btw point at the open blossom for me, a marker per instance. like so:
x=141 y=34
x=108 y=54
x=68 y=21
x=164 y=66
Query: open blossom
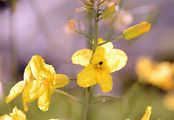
x=157 y=74
x=40 y=80
x=15 y=115
x=105 y=60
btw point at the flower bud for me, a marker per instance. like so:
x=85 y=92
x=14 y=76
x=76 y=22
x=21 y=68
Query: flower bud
x=109 y=11
x=72 y=24
x=136 y=30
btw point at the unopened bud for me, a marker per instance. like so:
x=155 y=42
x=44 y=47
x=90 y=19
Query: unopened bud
x=109 y=11
x=136 y=30
x=72 y=24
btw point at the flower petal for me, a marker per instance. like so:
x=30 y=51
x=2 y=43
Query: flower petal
x=82 y=57
x=117 y=59
x=17 y=114
x=28 y=76
x=44 y=100
x=108 y=46
x=60 y=81
x=36 y=64
x=33 y=90
x=15 y=91
x=48 y=71
x=86 y=77
x=147 y=113
x=99 y=55
x=6 y=117
x=105 y=81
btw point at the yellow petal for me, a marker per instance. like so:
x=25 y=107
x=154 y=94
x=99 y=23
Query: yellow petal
x=168 y=101
x=44 y=100
x=108 y=46
x=136 y=30
x=17 y=114
x=147 y=113
x=99 y=55
x=60 y=81
x=144 y=68
x=36 y=64
x=40 y=69
x=82 y=57
x=28 y=76
x=15 y=91
x=162 y=76
x=6 y=117
x=116 y=60
x=86 y=77
x=48 y=71
x=33 y=90
x=105 y=81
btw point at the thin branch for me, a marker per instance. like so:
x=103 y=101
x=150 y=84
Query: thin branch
x=72 y=78
x=108 y=97
x=117 y=38
x=86 y=35
x=67 y=95
x=101 y=2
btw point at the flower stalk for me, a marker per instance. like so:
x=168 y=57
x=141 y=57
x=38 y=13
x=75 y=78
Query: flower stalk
x=86 y=103
x=67 y=95
x=88 y=91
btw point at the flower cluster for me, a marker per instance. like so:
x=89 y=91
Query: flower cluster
x=40 y=80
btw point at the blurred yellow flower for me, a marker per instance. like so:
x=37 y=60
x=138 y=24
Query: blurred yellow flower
x=168 y=101
x=157 y=74
x=105 y=61
x=136 y=30
x=147 y=113
x=15 y=115
x=40 y=80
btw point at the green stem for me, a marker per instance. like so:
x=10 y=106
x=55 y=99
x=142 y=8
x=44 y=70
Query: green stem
x=117 y=38
x=86 y=103
x=88 y=91
x=67 y=95
x=96 y=21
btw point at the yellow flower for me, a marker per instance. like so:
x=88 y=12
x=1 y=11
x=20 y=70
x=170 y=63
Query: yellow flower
x=136 y=30
x=168 y=101
x=147 y=113
x=157 y=74
x=105 y=61
x=15 y=115
x=40 y=80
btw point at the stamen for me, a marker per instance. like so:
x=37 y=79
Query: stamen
x=100 y=63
